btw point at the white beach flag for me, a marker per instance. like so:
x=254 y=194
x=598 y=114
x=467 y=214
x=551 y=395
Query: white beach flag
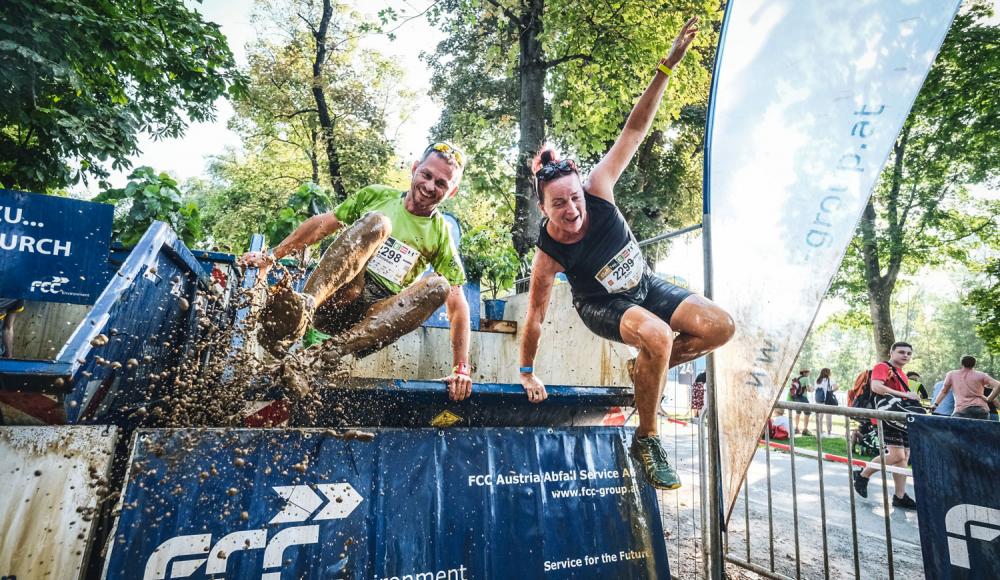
x=808 y=100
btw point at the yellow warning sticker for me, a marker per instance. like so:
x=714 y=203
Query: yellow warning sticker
x=445 y=419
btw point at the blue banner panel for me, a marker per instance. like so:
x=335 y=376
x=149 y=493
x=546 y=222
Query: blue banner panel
x=53 y=249
x=955 y=474
x=419 y=504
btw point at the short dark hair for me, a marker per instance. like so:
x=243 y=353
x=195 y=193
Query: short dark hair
x=912 y=374
x=896 y=345
x=968 y=361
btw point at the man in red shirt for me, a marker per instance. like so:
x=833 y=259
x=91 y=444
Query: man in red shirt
x=890 y=386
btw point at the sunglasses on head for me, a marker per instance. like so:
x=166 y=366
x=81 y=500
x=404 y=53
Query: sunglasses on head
x=556 y=169
x=448 y=151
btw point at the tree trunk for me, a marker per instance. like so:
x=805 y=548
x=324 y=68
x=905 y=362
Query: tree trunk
x=314 y=156
x=531 y=69
x=880 y=303
x=879 y=290
x=880 y=286
x=325 y=121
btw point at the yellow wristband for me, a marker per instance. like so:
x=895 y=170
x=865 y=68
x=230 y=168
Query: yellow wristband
x=664 y=69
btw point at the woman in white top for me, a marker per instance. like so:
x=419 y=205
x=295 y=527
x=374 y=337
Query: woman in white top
x=826 y=391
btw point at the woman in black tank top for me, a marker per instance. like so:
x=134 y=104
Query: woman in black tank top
x=585 y=235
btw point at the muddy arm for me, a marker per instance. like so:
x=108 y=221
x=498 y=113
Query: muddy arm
x=311 y=231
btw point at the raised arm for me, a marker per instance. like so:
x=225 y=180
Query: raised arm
x=543 y=274
x=605 y=174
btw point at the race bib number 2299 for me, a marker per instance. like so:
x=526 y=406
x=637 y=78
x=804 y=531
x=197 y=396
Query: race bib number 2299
x=624 y=271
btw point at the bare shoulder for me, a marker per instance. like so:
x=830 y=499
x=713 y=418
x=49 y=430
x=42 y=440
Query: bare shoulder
x=598 y=187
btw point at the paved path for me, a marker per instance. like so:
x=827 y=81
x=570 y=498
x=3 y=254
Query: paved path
x=681 y=518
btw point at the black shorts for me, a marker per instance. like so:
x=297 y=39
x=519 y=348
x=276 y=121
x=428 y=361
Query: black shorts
x=895 y=436
x=603 y=316
x=801 y=399
x=333 y=320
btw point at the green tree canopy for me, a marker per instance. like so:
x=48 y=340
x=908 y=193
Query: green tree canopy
x=985 y=302
x=921 y=213
x=514 y=74
x=81 y=80
x=148 y=197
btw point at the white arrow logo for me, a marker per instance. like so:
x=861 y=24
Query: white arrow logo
x=301 y=501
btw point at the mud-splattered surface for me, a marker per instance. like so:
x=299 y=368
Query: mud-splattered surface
x=52 y=480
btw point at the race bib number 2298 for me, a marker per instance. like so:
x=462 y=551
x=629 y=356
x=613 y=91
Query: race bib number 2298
x=393 y=260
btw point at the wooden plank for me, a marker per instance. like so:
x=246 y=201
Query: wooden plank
x=500 y=326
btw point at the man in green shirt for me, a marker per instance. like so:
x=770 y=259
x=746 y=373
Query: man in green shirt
x=367 y=291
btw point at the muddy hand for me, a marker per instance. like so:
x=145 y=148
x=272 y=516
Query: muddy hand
x=257 y=260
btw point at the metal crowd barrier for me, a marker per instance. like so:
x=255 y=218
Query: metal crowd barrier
x=864 y=559
x=792 y=519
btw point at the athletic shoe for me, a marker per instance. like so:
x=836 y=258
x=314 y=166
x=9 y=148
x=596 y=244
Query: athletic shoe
x=284 y=320
x=649 y=452
x=860 y=483
x=806 y=433
x=906 y=502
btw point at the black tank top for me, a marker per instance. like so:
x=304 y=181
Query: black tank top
x=608 y=252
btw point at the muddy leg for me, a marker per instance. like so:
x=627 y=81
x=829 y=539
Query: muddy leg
x=654 y=338
x=347 y=256
x=288 y=313
x=703 y=327
x=389 y=319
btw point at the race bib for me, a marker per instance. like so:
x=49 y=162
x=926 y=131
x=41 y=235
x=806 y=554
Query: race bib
x=624 y=271
x=393 y=260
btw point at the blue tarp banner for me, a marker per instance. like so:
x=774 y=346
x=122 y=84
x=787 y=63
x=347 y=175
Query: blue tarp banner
x=418 y=504
x=956 y=470
x=53 y=249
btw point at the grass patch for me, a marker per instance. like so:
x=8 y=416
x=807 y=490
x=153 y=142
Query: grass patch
x=835 y=445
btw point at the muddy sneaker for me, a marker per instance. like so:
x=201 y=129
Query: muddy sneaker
x=649 y=452
x=284 y=319
x=906 y=502
x=860 y=483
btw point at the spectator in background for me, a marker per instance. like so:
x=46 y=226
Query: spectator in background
x=797 y=394
x=993 y=405
x=969 y=386
x=826 y=394
x=947 y=405
x=9 y=308
x=915 y=385
x=891 y=390
x=779 y=425
x=697 y=397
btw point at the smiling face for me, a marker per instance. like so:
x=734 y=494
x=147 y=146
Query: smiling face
x=433 y=180
x=564 y=205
